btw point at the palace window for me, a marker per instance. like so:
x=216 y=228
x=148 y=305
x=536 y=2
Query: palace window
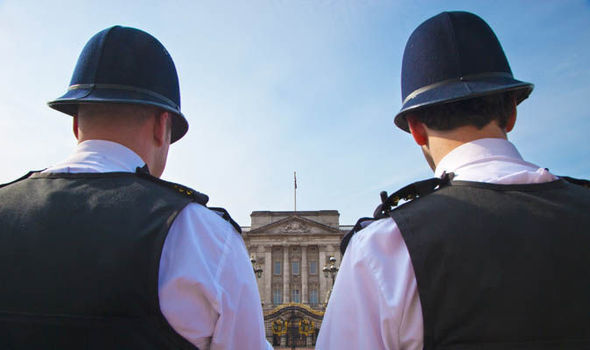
x=277 y=268
x=295 y=267
x=277 y=296
x=313 y=267
x=313 y=297
x=296 y=297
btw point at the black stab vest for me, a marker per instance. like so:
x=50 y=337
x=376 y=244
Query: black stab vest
x=79 y=261
x=501 y=266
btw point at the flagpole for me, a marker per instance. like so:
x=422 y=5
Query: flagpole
x=295 y=190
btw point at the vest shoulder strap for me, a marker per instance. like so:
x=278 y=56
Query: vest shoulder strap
x=580 y=182
x=185 y=191
x=194 y=195
x=225 y=215
x=389 y=203
x=26 y=176
x=360 y=224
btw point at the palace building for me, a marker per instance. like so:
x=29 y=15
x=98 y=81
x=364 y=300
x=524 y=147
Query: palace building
x=295 y=255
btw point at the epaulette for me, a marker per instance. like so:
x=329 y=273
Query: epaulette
x=194 y=195
x=580 y=182
x=410 y=192
x=389 y=203
x=26 y=176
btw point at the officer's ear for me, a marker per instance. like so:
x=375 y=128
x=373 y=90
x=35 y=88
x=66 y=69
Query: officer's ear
x=75 y=125
x=162 y=128
x=417 y=130
x=512 y=118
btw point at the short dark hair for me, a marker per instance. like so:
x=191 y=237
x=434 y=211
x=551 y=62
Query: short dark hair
x=477 y=111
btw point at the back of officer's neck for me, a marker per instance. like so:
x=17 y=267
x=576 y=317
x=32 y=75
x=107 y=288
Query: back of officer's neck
x=441 y=143
x=138 y=137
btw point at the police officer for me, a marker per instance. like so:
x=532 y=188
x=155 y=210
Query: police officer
x=99 y=253
x=492 y=252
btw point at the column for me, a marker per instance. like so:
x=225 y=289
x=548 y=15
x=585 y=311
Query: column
x=321 y=264
x=259 y=281
x=268 y=264
x=286 y=276
x=304 y=271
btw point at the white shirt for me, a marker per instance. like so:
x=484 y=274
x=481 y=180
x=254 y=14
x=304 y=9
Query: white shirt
x=206 y=285
x=375 y=302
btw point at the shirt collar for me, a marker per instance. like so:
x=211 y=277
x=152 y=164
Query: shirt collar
x=475 y=151
x=106 y=155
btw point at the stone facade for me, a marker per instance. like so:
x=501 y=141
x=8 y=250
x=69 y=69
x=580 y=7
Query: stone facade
x=291 y=248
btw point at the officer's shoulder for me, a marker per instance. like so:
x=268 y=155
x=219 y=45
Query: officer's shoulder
x=26 y=176
x=217 y=213
x=200 y=199
x=580 y=182
x=180 y=190
x=390 y=203
x=211 y=217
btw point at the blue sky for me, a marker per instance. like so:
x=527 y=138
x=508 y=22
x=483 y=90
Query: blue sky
x=270 y=87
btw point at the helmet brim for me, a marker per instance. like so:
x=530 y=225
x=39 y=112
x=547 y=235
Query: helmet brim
x=69 y=102
x=461 y=90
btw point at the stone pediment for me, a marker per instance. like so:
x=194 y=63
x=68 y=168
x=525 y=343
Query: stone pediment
x=295 y=225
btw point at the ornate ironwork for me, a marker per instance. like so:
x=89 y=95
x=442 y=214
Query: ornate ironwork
x=294 y=325
x=317 y=314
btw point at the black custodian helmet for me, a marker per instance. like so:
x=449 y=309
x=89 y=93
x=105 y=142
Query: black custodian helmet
x=125 y=65
x=450 y=57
